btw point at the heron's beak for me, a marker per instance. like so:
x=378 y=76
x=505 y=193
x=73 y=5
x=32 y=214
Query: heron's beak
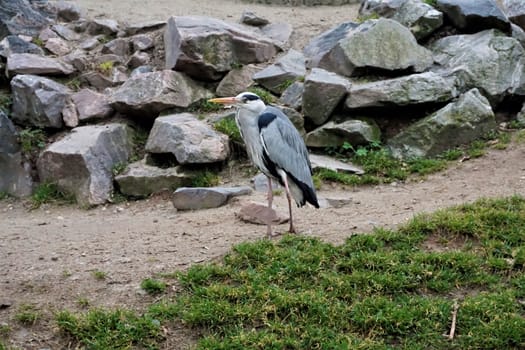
x=224 y=100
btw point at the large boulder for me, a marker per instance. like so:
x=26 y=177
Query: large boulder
x=207 y=48
x=237 y=80
x=38 y=101
x=487 y=60
x=323 y=92
x=515 y=11
x=190 y=140
x=458 y=123
x=28 y=63
x=419 y=88
x=277 y=77
x=150 y=93
x=382 y=44
x=19 y=17
x=81 y=163
x=474 y=15
x=353 y=131
x=140 y=179
x=15 y=178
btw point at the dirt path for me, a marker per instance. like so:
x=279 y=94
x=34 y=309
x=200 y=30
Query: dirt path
x=48 y=256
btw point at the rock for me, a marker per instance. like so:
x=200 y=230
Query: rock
x=145 y=26
x=192 y=198
x=57 y=46
x=67 y=11
x=38 y=101
x=190 y=140
x=141 y=70
x=116 y=76
x=16 y=178
x=45 y=35
x=119 y=47
x=260 y=214
x=419 y=88
x=518 y=34
x=65 y=32
x=141 y=180
x=421 y=18
x=81 y=163
x=207 y=48
x=515 y=11
x=325 y=162
x=141 y=42
x=13 y=44
x=285 y=71
x=78 y=59
x=138 y=59
x=150 y=93
x=458 y=123
x=474 y=15
x=382 y=44
x=260 y=183
x=278 y=33
x=28 y=63
x=323 y=92
x=293 y=96
x=493 y=63
x=354 y=132
x=19 y=17
x=319 y=48
x=251 y=19
x=70 y=114
x=237 y=80
x=334 y=202
x=382 y=8
x=103 y=26
x=90 y=43
x=91 y=105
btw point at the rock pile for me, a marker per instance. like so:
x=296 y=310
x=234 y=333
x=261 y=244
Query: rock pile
x=95 y=85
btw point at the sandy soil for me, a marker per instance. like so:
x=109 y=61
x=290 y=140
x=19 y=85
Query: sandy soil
x=48 y=255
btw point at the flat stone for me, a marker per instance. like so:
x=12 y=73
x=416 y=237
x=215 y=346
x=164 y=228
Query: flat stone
x=320 y=161
x=192 y=198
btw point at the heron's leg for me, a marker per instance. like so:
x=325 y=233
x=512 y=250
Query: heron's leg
x=289 y=197
x=270 y=192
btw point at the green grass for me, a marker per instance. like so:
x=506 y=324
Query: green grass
x=32 y=140
x=391 y=289
x=5 y=102
x=153 y=286
x=99 y=275
x=47 y=192
x=28 y=314
x=205 y=179
x=228 y=126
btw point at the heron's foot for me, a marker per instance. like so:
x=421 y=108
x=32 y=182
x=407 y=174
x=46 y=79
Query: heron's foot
x=292 y=230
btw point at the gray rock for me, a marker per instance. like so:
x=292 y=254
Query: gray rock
x=81 y=163
x=325 y=162
x=459 y=122
x=46 y=34
x=518 y=34
x=383 y=8
x=323 y=91
x=260 y=183
x=285 y=71
x=90 y=43
x=237 y=80
x=70 y=114
x=78 y=59
x=354 y=131
x=251 y=19
x=293 y=96
x=190 y=140
x=421 y=18
x=141 y=70
x=151 y=93
x=57 y=46
x=207 y=48
x=380 y=44
x=486 y=60
x=145 y=26
x=141 y=42
x=192 y=198
x=278 y=33
x=260 y=214
x=334 y=202
x=65 y=32
x=16 y=178
x=91 y=105
x=116 y=76
x=103 y=26
x=28 y=63
x=141 y=180
x=13 y=44
x=412 y=89
x=19 y=17
x=474 y=15
x=67 y=11
x=118 y=46
x=38 y=101
x=138 y=59
x=515 y=11
x=319 y=48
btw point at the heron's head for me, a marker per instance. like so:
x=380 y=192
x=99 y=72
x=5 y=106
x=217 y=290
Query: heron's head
x=244 y=100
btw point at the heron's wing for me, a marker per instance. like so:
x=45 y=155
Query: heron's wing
x=285 y=148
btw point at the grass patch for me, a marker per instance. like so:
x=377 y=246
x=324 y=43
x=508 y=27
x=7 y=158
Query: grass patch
x=153 y=286
x=204 y=106
x=391 y=289
x=99 y=275
x=47 y=192
x=205 y=179
x=32 y=140
x=5 y=102
x=105 y=67
x=228 y=126
x=28 y=314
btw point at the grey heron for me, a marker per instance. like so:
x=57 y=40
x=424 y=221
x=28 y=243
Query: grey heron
x=275 y=147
